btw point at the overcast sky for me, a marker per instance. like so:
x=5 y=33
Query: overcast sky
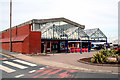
x=101 y=14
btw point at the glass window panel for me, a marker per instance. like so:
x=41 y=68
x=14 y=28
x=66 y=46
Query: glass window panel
x=56 y=23
x=36 y=27
x=63 y=23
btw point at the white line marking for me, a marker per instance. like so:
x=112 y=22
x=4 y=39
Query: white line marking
x=32 y=71
x=42 y=68
x=19 y=75
x=14 y=64
x=6 y=69
x=24 y=62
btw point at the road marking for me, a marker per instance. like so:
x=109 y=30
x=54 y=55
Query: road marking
x=5 y=55
x=39 y=71
x=14 y=64
x=32 y=71
x=18 y=76
x=45 y=72
x=24 y=62
x=55 y=72
x=42 y=68
x=5 y=58
x=6 y=69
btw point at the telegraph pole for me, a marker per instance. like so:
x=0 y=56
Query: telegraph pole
x=10 y=24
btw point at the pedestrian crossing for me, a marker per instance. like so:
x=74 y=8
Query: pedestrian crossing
x=6 y=69
x=24 y=62
x=15 y=64
x=17 y=68
x=18 y=76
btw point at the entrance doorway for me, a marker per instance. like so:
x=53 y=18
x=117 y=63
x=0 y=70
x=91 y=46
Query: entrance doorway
x=42 y=47
x=54 y=47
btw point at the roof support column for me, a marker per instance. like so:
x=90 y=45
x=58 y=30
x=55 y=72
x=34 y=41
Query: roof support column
x=50 y=46
x=45 y=46
x=88 y=44
x=106 y=44
x=53 y=30
x=67 y=43
x=81 y=46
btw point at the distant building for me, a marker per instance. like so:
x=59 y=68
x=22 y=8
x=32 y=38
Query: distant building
x=115 y=41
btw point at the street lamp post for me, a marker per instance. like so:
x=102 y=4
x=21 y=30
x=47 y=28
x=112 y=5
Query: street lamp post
x=10 y=24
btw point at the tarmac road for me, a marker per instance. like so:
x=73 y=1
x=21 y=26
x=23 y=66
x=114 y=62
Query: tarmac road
x=17 y=68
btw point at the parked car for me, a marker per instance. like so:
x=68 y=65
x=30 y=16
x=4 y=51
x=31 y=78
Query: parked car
x=118 y=48
x=115 y=47
x=96 y=47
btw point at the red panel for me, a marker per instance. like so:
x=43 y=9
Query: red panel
x=83 y=49
x=72 y=49
x=35 y=42
x=86 y=49
x=79 y=49
x=76 y=49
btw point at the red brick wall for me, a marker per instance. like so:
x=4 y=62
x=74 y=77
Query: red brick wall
x=17 y=47
x=26 y=45
x=20 y=31
x=35 y=42
x=16 y=32
x=31 y=44
x=5 y=46
x=24 y=30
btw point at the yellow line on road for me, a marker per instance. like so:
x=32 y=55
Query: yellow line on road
x=4 y=55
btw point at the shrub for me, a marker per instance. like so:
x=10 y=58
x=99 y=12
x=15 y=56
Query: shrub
x=102 y=55
x=118 y=52
x=98 y=58
x=92 y=60
x=105 y=52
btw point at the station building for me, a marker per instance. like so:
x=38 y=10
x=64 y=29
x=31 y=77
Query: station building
x=54 y=35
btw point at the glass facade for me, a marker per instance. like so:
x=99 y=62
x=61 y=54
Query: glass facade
x=64 y=30
x=95 y=34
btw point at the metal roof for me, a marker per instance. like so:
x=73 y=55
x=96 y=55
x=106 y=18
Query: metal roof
x=89 y=32
x=95 y=33
x=46 y=21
